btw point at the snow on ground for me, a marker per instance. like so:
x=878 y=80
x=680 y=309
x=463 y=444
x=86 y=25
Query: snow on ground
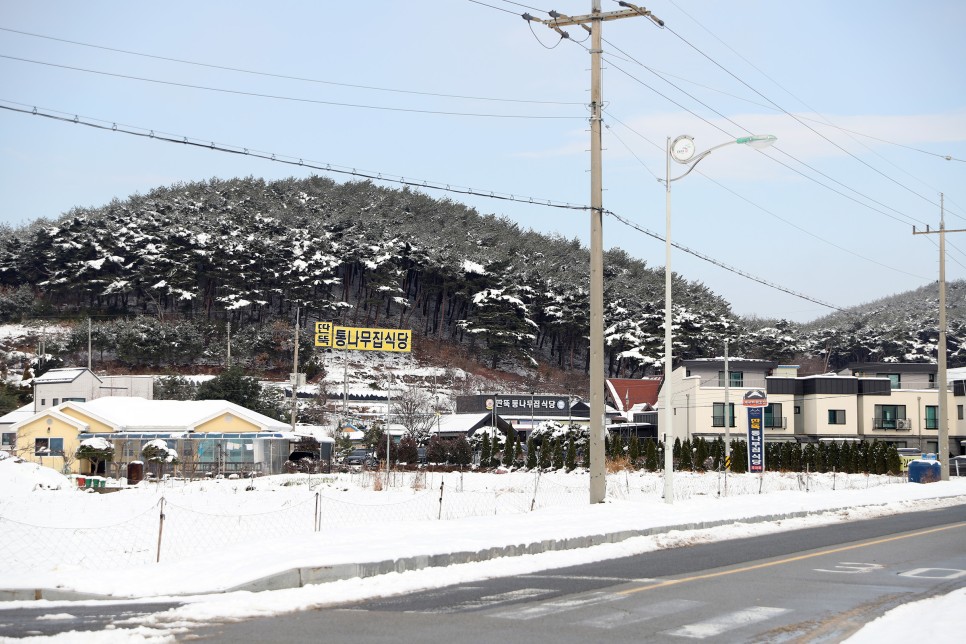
x=222 y=533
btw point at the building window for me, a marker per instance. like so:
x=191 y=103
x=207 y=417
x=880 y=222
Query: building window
x=932 y=381
x=718 y=417
x=959 y=412
x=894 y=378
x=836 y=416
x=773 y=416
x=737 y=379
x=890 y=417
x=798 y=410
x=932 y=416
x=73 y=400
x=43 y=401
x=8 y=440
x=48 y=447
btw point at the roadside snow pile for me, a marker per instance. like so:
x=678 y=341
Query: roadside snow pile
x=21 y=477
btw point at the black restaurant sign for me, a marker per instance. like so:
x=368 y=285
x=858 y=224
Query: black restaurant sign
x=514 y=405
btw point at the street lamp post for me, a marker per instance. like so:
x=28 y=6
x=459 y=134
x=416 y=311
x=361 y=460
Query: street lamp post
x=681 y=149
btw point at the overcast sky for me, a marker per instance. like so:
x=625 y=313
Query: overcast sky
x=827 y=212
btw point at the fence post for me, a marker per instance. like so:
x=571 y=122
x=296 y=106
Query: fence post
x=536 y=484
x=807 y=476
x=833 y=479
x=440 y=515
x=160 y=531
x=316 y=519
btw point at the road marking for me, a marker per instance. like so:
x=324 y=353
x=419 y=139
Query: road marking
x=779 y=562
x=557 y=606
x=490 y=600
x=728 y=622
x=852 y=568
x=614 y=618
x=640 y=580
x=953 y=573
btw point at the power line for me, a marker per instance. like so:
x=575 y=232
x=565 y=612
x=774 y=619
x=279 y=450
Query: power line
x=758 y=206
x=720 y=129
x=285 y=76
x=806 y=125
x=287 y=98
x=720 y=264
x=289 y=160
x=375 y=176
x=787 y=91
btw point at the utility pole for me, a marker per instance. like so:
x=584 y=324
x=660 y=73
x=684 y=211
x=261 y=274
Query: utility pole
x=727 y=419
x=598 y=481
x=89 y=361
x=943 y=446
x=228 y=337
x=295 y=373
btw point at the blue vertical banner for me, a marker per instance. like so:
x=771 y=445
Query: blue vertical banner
x=756 y=439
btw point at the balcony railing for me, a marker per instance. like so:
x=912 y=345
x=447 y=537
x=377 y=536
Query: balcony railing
x=900 y=424
x=719 y=421
x=776 y=422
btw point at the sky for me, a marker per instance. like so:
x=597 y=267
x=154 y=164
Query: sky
x=250 y=549
x=867 y=98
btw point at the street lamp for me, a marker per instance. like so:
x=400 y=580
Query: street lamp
x=681 y=149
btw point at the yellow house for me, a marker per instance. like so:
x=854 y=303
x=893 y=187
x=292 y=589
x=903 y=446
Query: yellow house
x=207 y=434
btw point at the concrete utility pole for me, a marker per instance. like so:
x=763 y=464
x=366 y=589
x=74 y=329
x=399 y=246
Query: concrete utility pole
x=89 y=361
x=557 y=20
x=943 y=447
x=295 y=373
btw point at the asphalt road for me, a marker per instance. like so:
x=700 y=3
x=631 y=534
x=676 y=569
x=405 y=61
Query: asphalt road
x=813 y=585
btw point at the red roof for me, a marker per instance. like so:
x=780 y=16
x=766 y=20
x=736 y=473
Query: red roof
x=627 y=392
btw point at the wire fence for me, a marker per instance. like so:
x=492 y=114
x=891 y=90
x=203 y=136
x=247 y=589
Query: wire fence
x=180 y=523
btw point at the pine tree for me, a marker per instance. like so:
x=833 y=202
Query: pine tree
x=634 y=451
x=485 y=452
x=676 y=453
x=531 y=454
x=460 y=452
x=617 y=447
x=893 y=461
x=700 y=454
x=685 y=461
x=509 y=450
x=571 y=460
x=650 y=455
x=558 y=455
x=546 y=453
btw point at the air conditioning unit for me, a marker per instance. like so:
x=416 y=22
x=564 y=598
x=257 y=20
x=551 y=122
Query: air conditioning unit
x=903 y=423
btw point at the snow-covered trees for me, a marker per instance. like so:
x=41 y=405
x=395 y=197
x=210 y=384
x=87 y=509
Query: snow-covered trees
x=97 y=450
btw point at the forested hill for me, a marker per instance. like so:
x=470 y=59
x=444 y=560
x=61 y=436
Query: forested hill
x=250 y=252
x=164 y=274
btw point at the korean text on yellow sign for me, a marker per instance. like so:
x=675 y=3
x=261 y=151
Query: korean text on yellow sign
x=362 y=339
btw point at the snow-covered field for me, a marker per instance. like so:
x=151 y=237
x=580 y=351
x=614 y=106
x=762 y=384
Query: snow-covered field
x=218 y=534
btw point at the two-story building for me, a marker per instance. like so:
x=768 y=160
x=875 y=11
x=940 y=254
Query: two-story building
x=894 y=403
x=72 y=384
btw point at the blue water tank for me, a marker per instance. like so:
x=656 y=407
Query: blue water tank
x=923 y=471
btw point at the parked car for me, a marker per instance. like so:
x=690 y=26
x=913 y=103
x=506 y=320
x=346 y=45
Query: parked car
x=360 y=458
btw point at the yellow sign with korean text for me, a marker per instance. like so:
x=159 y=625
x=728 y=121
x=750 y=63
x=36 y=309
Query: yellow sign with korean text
x=362 y=339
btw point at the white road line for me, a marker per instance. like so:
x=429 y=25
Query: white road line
x=558 y=606
x=727 y=622
x=640 y=613
x=490 y=600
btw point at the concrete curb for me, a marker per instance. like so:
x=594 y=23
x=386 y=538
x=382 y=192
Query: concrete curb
x=307 y=575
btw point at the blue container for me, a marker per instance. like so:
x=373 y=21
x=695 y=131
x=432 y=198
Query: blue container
x=922 y=471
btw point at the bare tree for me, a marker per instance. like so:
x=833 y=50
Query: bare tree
x=414 y=410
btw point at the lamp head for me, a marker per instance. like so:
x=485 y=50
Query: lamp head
x=758 y=141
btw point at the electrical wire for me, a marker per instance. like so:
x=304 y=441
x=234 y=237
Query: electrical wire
x=719 y=264
x=909 y=218
x=512 y=13
x=100 y=124
x=758 y=206
x=806 y=125
x=787 y=91
x=288 y=160
x=285 y=76
x=288 y=98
